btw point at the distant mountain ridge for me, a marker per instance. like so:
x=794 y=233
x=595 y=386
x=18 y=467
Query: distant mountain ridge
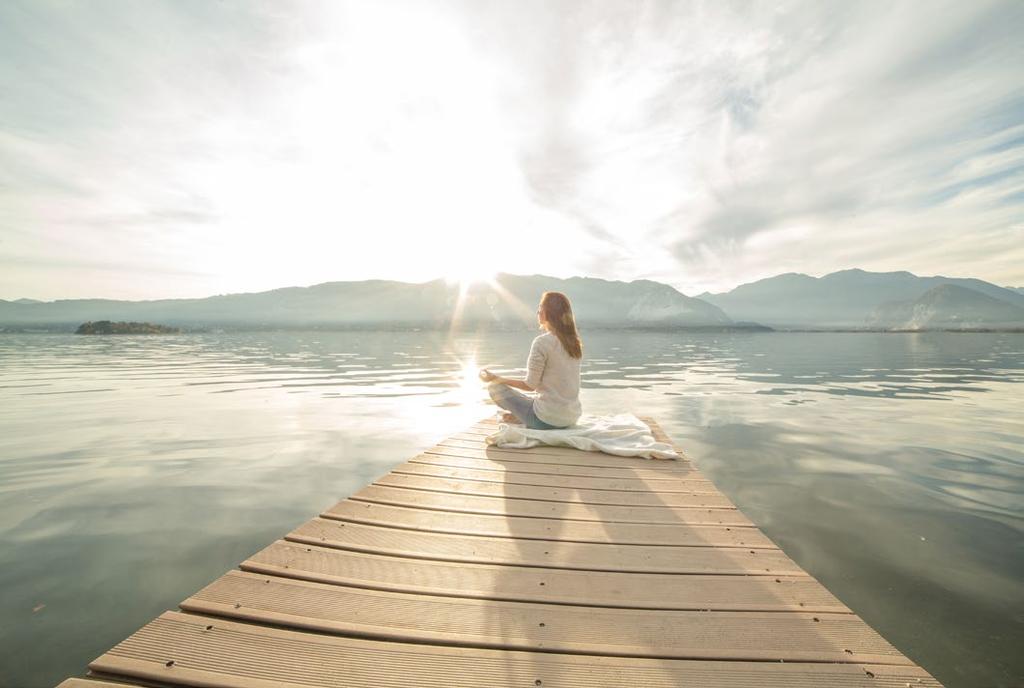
x=848 y=298
x=948 y=306
x=511 y=303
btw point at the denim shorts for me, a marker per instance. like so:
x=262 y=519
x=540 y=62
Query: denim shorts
x=518 y=404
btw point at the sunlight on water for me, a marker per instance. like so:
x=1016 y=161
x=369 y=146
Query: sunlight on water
x=469 y=381
x=135 y=470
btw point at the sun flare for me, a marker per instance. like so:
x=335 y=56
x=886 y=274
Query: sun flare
x=468 y=377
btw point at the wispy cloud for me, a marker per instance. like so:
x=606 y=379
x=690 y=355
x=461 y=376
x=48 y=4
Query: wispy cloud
x=753 y=138
x=235 y=146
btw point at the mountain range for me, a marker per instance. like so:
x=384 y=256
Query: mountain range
x=849 y=299
x=509 y=301
x=861 y=299
x=948 y=306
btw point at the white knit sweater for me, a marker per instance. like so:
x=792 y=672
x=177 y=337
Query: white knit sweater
x=555 y=375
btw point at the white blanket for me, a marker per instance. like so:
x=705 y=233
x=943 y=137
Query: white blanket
x=623 y=435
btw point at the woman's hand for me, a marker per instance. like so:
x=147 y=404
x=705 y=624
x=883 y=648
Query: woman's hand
x=487 y=376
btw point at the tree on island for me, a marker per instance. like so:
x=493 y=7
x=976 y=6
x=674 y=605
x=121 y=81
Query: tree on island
x=108 y=327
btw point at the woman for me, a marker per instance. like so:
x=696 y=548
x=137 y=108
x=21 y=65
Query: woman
x=552 y=370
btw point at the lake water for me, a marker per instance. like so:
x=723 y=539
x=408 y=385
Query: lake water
x=135 y=470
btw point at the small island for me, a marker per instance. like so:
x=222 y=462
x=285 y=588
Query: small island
x=108 y=327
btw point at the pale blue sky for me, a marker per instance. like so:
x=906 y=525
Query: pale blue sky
x=186 y=148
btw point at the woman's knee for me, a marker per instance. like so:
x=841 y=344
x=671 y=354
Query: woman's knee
x=495 y=389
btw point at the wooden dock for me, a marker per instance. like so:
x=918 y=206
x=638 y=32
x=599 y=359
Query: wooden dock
x=478 y=567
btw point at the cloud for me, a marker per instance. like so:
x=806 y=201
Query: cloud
x=246 y=146
x=746 y=137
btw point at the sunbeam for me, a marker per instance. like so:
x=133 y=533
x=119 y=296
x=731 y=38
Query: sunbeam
x=522 y=310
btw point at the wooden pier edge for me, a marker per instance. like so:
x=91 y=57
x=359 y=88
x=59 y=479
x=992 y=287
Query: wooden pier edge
x=474 y=566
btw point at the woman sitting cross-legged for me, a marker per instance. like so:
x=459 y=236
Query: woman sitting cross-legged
x=552 y=371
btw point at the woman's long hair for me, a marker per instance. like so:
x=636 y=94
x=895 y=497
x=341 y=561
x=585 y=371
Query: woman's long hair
x=557 y=311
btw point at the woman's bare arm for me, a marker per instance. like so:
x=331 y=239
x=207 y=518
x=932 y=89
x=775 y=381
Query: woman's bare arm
x=488 y=376
x=511 y=382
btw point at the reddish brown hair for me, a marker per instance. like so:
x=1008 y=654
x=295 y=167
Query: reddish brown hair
x=557 y=312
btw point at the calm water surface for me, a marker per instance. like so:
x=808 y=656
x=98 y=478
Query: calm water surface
x=135 y=470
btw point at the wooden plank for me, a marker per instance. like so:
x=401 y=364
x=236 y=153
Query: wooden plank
x=499 y=474
x=508 y=490
x=389 y=615
x=195 y=650
x=553 y=529
x=694 y=514
x=704 y=499
x=581 y=556
x=788 y=589
x=91 y=683
x=513 y=464
x=570 y=457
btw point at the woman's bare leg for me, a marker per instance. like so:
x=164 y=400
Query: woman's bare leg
x=509 y=400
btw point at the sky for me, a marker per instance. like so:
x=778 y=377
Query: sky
x=194 y=147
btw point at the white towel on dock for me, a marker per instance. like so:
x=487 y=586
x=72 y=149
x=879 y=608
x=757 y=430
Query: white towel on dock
x=622 y=435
